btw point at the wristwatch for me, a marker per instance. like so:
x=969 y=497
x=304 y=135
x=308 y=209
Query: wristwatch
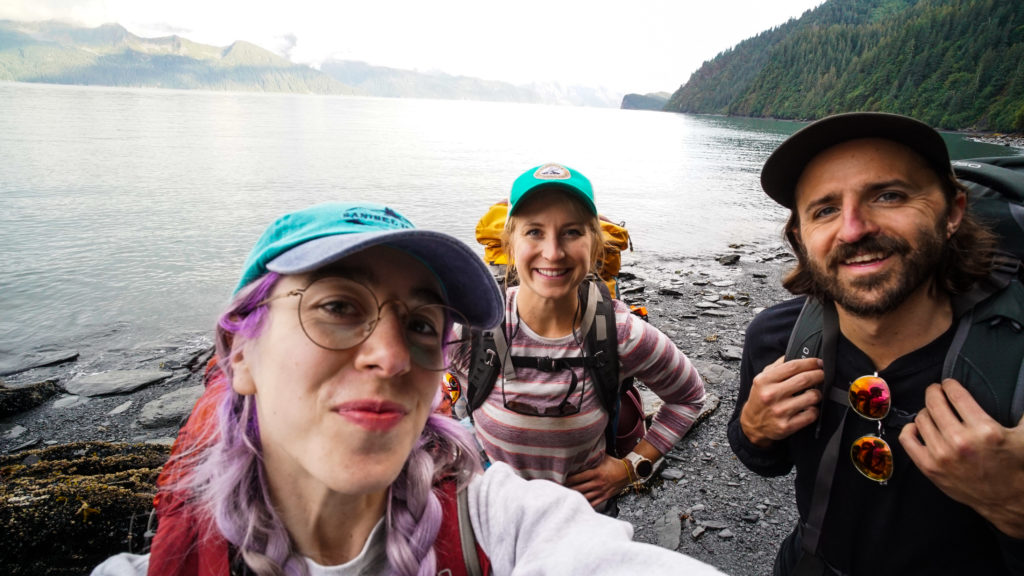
x=641 y=466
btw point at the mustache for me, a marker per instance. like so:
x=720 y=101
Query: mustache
x=866 y=245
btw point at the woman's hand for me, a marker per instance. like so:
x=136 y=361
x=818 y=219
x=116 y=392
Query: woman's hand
x=601 y=482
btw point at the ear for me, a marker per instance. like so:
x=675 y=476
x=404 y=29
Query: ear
x=957 y=207
x=241 y=380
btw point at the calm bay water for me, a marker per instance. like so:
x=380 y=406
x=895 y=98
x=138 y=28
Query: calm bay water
x=125 y=214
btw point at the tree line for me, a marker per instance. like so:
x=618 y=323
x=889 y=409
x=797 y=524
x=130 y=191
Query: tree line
x=955 y=64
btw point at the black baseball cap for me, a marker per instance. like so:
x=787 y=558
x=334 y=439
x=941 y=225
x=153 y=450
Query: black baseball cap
x=785 y=165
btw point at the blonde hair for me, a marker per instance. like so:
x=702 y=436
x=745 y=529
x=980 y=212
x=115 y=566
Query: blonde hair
x=590 y=222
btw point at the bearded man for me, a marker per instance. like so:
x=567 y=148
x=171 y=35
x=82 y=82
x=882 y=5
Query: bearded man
x=887 y=250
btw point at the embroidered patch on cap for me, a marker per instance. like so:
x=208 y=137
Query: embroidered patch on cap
x=386 y=218
x=552 y=172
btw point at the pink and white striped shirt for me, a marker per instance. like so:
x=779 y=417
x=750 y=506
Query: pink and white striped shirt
x=554 y=448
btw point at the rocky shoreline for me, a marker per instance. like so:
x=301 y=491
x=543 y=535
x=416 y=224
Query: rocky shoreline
x=703 y=503
x=1009 y=140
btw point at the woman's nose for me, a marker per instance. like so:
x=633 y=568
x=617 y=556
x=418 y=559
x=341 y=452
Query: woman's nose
x=553 y=248
x=386 y=349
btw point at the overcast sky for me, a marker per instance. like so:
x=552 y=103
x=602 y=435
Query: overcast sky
x=640 y=46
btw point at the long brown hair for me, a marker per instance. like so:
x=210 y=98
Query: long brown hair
x=590 y=221
x=966 y=258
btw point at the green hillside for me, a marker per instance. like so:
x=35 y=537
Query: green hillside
x=109 y=55
x=955 y=64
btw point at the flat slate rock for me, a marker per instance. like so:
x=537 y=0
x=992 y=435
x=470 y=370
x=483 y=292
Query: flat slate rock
x=37 y=360
x=171 y=408
x=114 y=381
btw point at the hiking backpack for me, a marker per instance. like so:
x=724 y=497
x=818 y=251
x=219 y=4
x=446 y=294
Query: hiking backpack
x=987 y=352
x=620 y=398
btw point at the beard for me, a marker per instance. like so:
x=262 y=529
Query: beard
x=881 y=293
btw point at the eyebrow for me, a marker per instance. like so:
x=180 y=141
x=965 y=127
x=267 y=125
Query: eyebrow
x=368 y=277
x=830 y=198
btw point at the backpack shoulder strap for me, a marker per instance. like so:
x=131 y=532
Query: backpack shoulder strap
x=601 y=344
x=987 y=352
x=456 y=549
x=805 y=339
x=484 y=365
x=486 y=349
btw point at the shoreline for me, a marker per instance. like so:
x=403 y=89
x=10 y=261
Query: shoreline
x=703 y=503
x=1012 y=140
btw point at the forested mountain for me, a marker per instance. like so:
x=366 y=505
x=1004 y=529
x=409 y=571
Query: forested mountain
x=955 y=64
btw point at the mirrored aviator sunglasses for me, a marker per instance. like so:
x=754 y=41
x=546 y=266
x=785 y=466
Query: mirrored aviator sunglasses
x=871 y=399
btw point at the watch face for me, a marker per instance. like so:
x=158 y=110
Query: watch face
x=644 y=468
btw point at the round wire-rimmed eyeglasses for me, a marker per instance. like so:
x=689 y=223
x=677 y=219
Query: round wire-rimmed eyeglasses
x=338 y=313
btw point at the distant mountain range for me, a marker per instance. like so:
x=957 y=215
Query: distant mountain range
x=60 y=53
x=955 y=64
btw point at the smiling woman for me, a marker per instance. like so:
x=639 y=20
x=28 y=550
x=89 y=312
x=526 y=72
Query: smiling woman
x=317 y=448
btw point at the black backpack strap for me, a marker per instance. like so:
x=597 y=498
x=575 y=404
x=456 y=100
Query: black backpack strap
x=987 y=352
x=805 y=339
x=484 y=365
x=602 y=347
x=827 y=340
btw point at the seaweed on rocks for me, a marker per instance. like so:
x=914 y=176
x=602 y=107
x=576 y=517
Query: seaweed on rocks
x=66 y=508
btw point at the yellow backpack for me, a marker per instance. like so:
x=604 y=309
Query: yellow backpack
x=616 y=239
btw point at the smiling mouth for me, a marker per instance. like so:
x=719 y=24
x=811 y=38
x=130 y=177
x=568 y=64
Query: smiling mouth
x=547 y=273
x=865 y=258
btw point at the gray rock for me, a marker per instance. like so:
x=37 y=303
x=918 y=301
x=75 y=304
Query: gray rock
x=37 y=360
x=120 y=408
x=715 y=373
x=667 y=528
x=170 y=408
x=731 y=353
x=672 y=474
x=69 y=401
x=15 y=400
x=725 y=534
x=706 y=304
x=697 y=532
x=729 y=259
x=723 y=283
x=14 y=432
x=114 y=381
x=714 y=524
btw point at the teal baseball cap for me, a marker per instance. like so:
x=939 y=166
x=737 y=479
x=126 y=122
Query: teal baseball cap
x=308 y=239
x=553 y=176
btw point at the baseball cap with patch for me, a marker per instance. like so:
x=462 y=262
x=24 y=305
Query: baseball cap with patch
x=311 y=238
x=784 y=166
x=555 y=176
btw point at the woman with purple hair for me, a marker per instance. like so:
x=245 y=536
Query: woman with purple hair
x=316 y=448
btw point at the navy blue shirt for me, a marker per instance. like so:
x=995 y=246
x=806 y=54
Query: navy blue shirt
x=907 y=526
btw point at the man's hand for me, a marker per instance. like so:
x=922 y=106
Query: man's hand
x=600 y=482
x=969 y=456
x=784 y=398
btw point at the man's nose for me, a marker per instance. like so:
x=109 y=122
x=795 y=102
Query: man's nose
x=856 y=223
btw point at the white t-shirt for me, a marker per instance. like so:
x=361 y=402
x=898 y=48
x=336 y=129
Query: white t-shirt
x=526 y=527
